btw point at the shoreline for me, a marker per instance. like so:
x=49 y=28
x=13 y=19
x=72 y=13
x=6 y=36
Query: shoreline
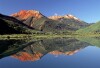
x=30 y=36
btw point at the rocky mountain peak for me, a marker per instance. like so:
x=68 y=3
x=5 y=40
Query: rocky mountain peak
x=69 y=16
x=55 y=17
x=24 y=14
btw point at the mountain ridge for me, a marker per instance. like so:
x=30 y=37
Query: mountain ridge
x=37 y=20
x=69 y=16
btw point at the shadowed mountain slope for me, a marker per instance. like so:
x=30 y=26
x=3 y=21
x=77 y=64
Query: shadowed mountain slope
x=10 y=25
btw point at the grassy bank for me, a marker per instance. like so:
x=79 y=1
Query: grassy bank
x=25 y=36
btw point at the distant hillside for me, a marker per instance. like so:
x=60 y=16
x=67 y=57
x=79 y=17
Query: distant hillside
x=10 y=25
x=94 y=28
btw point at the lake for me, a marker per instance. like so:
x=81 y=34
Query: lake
x=80 y=52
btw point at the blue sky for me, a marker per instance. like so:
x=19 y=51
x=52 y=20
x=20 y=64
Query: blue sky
x=87 y=10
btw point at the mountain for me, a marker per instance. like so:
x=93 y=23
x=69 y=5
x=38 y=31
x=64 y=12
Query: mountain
x=25 y=14
x=28 y=16
x=40 y=22
x=37 y=20
x=31 y=21
x=94 y=28
x=10 y=25
x=72 y=23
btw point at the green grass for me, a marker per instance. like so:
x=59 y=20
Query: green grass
x=37 y=36
x=32 y=36
x=92 y=40
x=95 y=28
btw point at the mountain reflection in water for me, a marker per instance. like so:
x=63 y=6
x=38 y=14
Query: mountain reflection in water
x=34 y=50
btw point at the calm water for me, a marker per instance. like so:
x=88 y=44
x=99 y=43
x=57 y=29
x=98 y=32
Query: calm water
x=50 y=53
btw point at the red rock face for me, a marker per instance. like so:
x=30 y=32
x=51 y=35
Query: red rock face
x=24 y=56
x=24 y=14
